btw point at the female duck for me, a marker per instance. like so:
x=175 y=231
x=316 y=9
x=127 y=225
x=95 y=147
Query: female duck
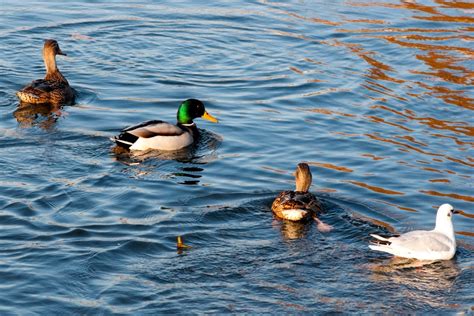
x=165 y=136
x=54 y=88
x=300 y=204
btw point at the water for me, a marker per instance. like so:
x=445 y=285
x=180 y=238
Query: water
x=376 y=96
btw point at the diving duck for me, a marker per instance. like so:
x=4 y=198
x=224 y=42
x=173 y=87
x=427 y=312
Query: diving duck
x=300 y=204
x=54 y=88
x=161 y=135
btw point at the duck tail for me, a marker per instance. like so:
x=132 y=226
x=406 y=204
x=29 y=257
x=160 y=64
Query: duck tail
x=124 y=140
x=383 y=248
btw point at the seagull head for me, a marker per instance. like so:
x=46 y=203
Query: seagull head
x=446 y=211
x=444 y=219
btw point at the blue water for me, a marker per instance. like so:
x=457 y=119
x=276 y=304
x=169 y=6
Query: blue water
x=376 y=96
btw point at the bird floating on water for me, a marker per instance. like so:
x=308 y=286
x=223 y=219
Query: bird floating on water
x=54 y=88
x=436 y=244
x=161 y=135
x=300 y=204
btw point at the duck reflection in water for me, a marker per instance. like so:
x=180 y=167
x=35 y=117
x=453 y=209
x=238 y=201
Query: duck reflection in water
x=291 y=230
x=42 y=115
x=300 y=205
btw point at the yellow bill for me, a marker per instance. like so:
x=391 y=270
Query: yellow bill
x=209 y=117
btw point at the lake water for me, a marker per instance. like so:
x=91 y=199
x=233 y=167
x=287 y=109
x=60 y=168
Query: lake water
x=377 y=96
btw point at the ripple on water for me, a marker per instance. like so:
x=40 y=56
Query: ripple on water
x=378 y=104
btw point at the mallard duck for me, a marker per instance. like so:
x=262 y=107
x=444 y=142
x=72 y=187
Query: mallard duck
x=300 y=204
x=54 y=88
x=436 y=244
x=165 y=136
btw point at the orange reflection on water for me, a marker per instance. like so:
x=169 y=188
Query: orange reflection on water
x=330 y=112
x=432 y=122
x=451 y=195
x=374 y=188
x=440 y=180
x=315 y=20
x=329 y=166
x=450 y=96
x=372 y=156
x=403 y=208
x=395 y=40
x=377 y=119
x=403 y=5
x=375 y=137
x=469 y=234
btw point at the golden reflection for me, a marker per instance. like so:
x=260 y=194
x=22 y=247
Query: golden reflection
x=330 y=112
x=403 y=208
x=447 y=18
x=432 y=122
x=450 y=195
x=446 y=62
x=376 y=222
x=457 y=141
x=456 y=4
x=329 y=166
x=368 y=21
x=404 y=5
x=296 y=70
x=377 y=119
x=450 y=96
x=440 y=180
x=374 y=137
x=395 y=40
x=463 y=213
x=374 y=188
x=431 y=170
x=275 y=170
x=373 y=157
x=315 y=20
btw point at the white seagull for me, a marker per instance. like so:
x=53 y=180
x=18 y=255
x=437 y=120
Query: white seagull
x=436 y=244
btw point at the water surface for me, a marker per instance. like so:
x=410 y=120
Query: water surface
x=376 y=96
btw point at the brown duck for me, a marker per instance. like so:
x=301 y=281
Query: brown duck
x=300 y=205
x=54 y=88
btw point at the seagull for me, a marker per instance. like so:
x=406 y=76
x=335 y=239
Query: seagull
x=436 y=244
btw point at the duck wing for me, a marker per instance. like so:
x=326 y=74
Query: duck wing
x=155 y=129
x=43 y=91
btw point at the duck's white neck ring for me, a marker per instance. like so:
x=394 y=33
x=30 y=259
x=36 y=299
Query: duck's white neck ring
x=189 y=125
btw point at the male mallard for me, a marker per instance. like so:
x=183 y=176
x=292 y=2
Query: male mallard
x=165 y=136
x=54 y=88
x=300 y=204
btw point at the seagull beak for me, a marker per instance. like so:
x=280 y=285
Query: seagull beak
x=209 y=117
x=456 y=212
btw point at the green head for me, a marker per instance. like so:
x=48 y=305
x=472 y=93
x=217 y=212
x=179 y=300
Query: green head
x=191 y=109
